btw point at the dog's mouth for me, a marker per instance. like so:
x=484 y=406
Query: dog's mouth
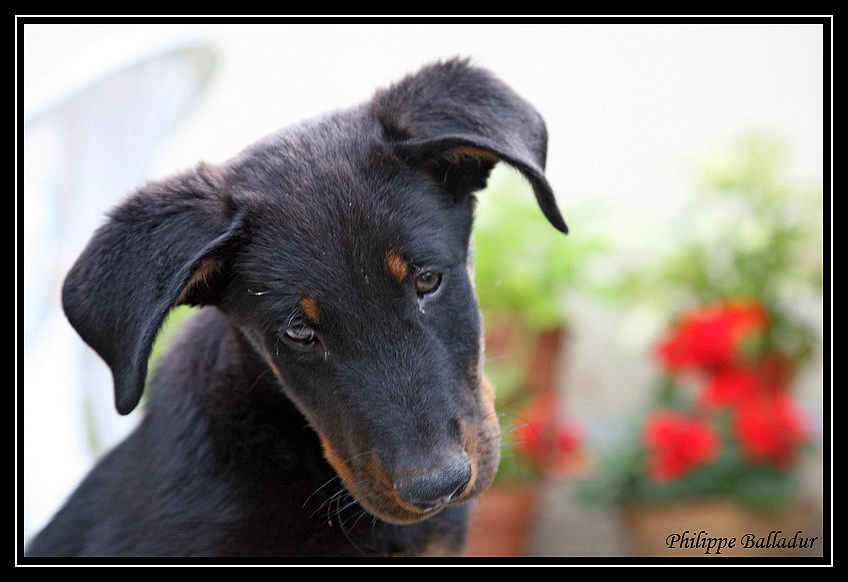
x=369 y=483
x=394 y=501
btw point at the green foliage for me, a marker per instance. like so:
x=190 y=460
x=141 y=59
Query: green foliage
x=524 y=272
x=513 y=469
x=524 y=267
x=750 y=231
x=167 y=333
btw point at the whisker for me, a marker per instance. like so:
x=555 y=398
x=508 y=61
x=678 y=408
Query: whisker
x=362 y=513
x=311 y=495
x=347 y=534
x=342 y=489
x=328 y=501
x=336 y=498
x=339 y=511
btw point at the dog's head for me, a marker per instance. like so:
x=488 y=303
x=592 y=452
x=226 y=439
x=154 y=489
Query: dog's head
x=340 y=249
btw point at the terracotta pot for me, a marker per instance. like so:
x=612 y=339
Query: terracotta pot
x=543 y=368
x=502 y=521
x=709 y=528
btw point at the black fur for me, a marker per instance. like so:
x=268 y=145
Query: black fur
x=328 y=400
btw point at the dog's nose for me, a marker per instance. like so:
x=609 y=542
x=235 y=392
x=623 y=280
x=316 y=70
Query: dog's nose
x=437 y=488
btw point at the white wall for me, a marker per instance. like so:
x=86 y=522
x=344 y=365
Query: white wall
x=626 y=104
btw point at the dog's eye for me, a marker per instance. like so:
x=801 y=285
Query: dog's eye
x=427 y=282
x=301 y=333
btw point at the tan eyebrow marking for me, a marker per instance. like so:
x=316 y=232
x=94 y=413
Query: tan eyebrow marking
x=310 y=308
x=397 y=266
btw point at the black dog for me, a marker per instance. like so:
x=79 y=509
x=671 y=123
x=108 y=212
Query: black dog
x=329 y=400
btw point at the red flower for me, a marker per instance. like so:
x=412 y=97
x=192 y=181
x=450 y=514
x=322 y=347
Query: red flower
x=530 y=442
x=713 y=342
x=567 y=438
x=567 y=444
x=713 y=335
x=546 y=442
x=736 y=384
x=677 y=444
x=532 y=434
x=730 y=386
x=771 y=429
x=558 y=448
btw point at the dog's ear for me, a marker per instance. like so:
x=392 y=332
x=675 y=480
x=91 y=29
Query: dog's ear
x=458 y=121
x=166 y=245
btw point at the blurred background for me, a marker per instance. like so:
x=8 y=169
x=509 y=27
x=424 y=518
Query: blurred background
x=674 y=337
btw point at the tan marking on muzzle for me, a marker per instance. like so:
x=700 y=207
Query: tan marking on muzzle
x=482 y=441
x=488 y=392
x=338 y=464
x=375 y=491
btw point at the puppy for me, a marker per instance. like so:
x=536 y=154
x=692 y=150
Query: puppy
x=328 y=399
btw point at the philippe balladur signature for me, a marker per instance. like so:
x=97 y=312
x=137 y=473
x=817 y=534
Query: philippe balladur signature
x=703 y=540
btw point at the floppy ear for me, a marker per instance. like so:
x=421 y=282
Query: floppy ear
x=458 y=121
x=166 y=245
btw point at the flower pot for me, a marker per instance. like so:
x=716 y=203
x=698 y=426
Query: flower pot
x=543 y=369
x=719 y=528
x=502 y=521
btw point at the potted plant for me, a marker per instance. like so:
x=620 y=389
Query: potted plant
x=717 y=453
x=523 y=272
x=724 y=437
